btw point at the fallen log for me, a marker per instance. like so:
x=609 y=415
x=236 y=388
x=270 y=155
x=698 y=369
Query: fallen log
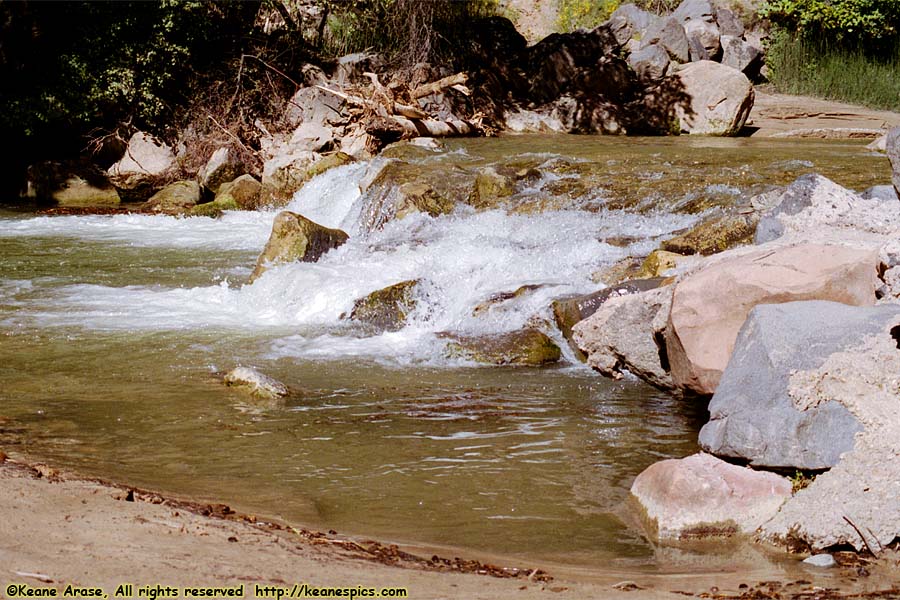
x=397 y=108
x=453 y=81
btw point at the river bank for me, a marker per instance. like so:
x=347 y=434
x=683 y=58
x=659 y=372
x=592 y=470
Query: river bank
x=58 y=529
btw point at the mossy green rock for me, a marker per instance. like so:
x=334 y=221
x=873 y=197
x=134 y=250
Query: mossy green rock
x=296 y=238
x=245 y=192
x=421 y=197
x=328 y=161
x=492 y=186
x=387 y=309
x=215 y=208
x=502 y=297
x=658 y=263
x=714 y=236
x=526 y=347
x=176 y=198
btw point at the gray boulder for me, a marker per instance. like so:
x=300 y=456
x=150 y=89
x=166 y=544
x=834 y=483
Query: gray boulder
x=223 y=166
x=668 y=33
x=571 y=310
x=854 y=503
x=650 y=62
x=636 y=18
x=313 y=105
x=729 y=23
x=753 y=417
x=695 y=10
x=882 y=193
x=892 y=147
x=626 y=334
x=705 y=35
x=136 y=173
x=813 y=204
x=740 y=55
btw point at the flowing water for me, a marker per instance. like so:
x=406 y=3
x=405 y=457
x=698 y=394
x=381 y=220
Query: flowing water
x=112 y=327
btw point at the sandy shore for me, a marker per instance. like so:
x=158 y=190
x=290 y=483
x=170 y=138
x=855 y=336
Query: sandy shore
x=57 y=530
x=783 y=115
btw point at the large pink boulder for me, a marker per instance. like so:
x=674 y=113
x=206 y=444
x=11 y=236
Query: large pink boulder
x=702 y=496
x=710 y=305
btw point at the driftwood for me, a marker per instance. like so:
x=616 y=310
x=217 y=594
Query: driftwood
x=407 y=120
x=386 y=120
x=454 y=81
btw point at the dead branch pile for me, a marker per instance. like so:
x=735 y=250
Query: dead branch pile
x=391 y=113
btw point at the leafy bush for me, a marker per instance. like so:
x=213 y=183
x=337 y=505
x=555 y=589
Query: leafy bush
x=587 y=14
x=848 y=22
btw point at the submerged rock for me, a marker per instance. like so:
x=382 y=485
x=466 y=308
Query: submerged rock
x=387 y=309
x=823 y=561
x=499 y=298
x=717 y=235
x=526 y=347
x=659 y=262
x=711 y=304
x=258 y=384
x=626 y=334
x=215 y=208
x=174 y=199
x=701 y=497
x=296 y=238
x=753 y=415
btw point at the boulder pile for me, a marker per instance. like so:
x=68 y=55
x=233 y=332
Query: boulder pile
x=795 y=341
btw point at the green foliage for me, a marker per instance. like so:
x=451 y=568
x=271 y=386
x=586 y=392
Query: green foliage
x=849 y=22
x=78 y=65
x=574 y=14
x=801 y=480
x=802 y=66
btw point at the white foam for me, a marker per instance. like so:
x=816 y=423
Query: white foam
x=461 y=260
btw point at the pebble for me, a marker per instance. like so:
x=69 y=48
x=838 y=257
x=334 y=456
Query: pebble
x=820 y=560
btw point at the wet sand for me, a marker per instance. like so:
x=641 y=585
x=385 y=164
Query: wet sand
x=57 y=529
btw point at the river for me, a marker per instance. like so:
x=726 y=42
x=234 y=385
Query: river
x=112 y=329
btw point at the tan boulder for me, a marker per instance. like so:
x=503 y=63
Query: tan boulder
x=245 y=192
x=710 y=305
x=720 y=98
x=702 y=496
x=174 y=199
x=296 y=238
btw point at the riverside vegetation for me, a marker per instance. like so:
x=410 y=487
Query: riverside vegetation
x=369 y=249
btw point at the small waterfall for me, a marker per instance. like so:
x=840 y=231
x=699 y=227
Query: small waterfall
x=461 y=259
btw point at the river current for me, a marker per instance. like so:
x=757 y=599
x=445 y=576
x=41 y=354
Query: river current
x=112 y=329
